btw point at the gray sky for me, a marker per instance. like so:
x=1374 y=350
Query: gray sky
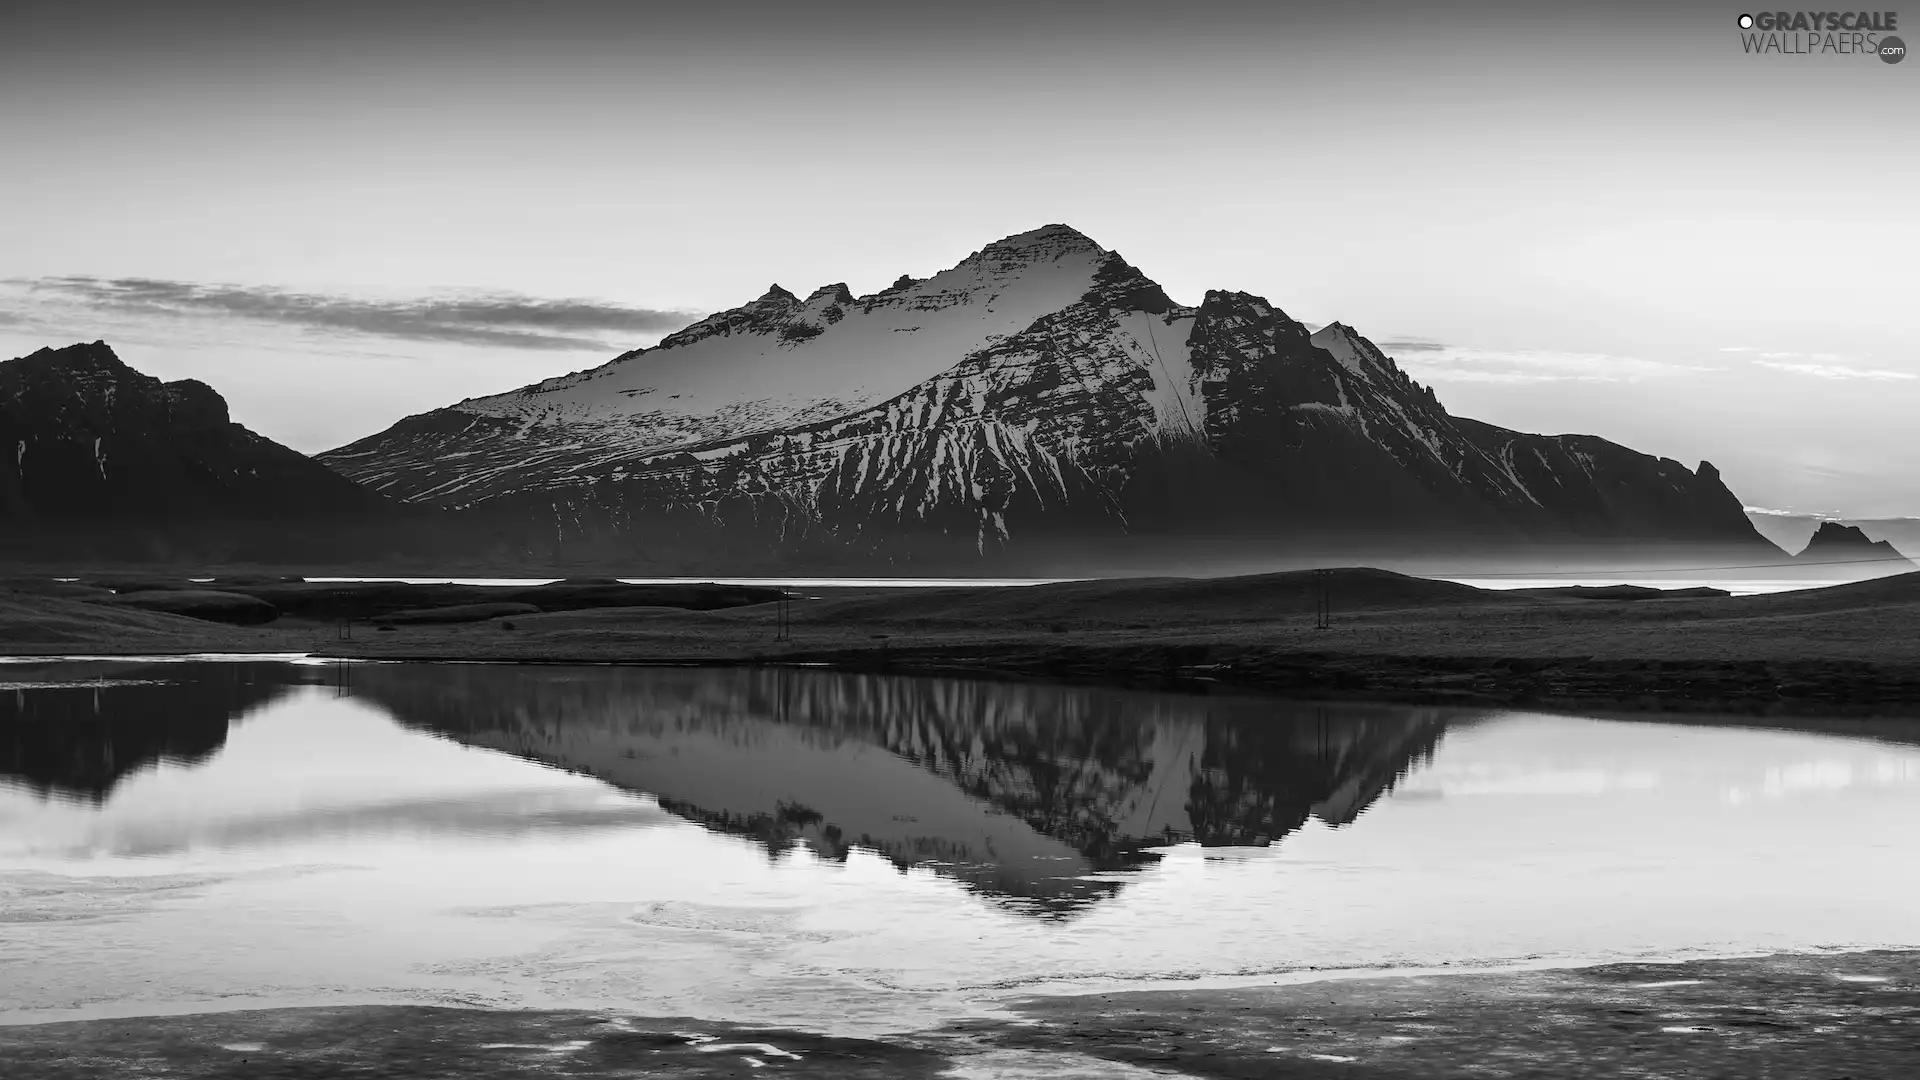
x=1609 y=218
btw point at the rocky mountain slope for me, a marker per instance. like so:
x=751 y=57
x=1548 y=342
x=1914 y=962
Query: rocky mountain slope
x=1042 y=401
x=102 y=459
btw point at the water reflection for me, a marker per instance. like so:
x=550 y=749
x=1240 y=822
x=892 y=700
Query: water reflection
x=1036 y=792
x=800 y=847
x=1017 y=790
x=77 y=729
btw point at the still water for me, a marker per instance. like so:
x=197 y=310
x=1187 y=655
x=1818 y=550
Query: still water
x=868 y=853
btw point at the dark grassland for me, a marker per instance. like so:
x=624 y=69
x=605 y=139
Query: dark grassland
x=1849 y=649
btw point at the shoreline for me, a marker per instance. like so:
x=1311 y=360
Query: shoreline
x=1758 y=690
x=1823 y=1014
x=1848 y=650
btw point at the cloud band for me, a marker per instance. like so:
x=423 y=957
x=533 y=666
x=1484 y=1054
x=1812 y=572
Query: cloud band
x=501 y=320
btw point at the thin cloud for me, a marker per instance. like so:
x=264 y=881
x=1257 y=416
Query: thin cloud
x=501 y=320
x=1766 y=512
x=1827 y=370
x=1410 y=345
x=1472 y=375
x=1451 y=363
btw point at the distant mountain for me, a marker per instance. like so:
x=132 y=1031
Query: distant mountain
x=1834 y=542
x=100 y=460
x=1042 y=403
x=1793 y=531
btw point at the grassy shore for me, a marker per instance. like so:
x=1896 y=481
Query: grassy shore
x=1792 y=1017
x=1851 y=649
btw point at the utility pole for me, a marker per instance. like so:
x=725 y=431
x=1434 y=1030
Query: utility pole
x=1322 y=603
x=783 y=616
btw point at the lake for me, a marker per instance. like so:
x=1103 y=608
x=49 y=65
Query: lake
x=862 y=853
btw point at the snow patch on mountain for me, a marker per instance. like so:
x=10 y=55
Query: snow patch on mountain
x=1159 y=343
x=781 y=360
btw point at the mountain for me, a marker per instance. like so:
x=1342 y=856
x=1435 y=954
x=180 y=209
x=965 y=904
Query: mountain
x=102 y=460
x=775 y=363
x=1793 y=531
x=1041 y=403
x=1837 y=543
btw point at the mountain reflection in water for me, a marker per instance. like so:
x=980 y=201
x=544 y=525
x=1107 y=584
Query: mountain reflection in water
x=76 y=729
x=1017 y=790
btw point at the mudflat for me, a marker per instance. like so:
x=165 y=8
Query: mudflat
x=1842 y=650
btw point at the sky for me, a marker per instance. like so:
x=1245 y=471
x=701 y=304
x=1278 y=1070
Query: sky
x=1604 y=219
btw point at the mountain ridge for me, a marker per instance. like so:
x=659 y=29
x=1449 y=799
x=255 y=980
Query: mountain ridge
x=1042 y=405
x=104 y=459
x=1113 y=418
x=700 y=394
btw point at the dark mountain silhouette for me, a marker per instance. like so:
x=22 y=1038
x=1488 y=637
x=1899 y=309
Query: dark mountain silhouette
x=1792 y=531
x=101 y=461
x=1043 y=403
x=77 y=730
x=1016 y=790
x=1834 y=542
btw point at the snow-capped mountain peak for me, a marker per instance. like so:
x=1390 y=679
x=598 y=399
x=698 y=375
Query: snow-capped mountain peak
x=1355 y=353
x=1041 y=390
x=770 y=363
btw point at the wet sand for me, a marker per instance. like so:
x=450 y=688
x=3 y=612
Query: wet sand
x=1853 y=1015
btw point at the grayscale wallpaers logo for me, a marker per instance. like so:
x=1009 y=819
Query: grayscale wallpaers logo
x=1823 y=33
